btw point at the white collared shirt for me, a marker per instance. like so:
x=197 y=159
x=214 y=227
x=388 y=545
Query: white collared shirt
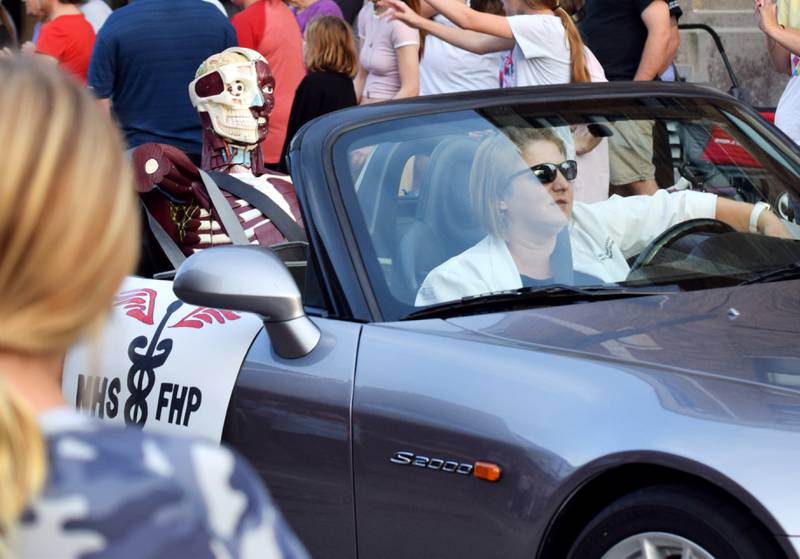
x=602 y=236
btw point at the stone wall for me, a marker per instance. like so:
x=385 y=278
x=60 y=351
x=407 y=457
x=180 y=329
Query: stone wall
x=743 y=42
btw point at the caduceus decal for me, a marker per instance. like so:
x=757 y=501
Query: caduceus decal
x=142 y=374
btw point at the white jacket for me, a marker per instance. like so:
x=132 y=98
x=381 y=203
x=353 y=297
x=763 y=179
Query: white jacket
x=602 y=236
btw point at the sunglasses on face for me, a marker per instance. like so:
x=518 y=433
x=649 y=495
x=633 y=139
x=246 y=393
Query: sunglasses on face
x=547 y=172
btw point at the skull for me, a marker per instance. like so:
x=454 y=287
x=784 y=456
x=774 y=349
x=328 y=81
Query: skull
x=235 y=87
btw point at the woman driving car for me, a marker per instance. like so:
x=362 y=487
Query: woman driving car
x=521 y=190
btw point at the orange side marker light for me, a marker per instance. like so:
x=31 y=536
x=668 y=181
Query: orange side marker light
x=487 y=471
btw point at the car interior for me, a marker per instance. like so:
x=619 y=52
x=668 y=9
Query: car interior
x=412 y=197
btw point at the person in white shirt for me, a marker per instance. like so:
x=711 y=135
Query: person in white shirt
x=96 y=13
x=521 y=190
x=445 y=68
x=541 y=42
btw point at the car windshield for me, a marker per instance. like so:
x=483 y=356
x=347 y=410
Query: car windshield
x=618 y=193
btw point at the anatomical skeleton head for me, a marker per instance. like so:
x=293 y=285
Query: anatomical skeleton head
x=233 y=92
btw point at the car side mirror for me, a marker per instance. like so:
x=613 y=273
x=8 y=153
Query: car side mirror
x=250 y=279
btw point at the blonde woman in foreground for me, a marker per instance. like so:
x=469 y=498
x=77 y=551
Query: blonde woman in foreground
x=72 y=487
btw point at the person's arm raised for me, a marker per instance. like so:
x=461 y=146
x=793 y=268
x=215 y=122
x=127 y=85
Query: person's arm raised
x=656 y=53
x=779 y=56
x=473 y=20
x=427 y=11
x=781 y=42
x=479 y=43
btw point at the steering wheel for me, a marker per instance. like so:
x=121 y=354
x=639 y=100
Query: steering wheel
x=675 y=233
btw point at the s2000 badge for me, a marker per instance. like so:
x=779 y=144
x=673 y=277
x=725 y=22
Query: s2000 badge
x=481 y=470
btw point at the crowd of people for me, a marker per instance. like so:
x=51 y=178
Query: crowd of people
x=63 y=159
x=403 y=48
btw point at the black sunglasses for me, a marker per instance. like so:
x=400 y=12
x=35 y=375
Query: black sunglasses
x=547 y=172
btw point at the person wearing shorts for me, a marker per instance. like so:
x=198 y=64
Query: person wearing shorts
x=631 y=157
x=634 y=41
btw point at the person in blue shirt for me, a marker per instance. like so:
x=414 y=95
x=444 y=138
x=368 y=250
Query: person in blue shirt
x=144 y=57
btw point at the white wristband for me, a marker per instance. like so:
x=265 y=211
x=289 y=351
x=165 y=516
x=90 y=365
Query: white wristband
x=755 y=213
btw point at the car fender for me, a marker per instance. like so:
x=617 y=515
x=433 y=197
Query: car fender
x=637 y=469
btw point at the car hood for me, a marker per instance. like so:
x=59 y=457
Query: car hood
x=748 y=333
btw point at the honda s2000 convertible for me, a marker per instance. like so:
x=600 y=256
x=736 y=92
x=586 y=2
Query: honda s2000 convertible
x=479 y=353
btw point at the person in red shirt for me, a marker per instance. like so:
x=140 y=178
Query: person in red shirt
x=269 y=27
x=66 y=36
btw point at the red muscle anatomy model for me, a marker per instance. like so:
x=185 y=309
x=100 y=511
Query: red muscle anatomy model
x=233 y=198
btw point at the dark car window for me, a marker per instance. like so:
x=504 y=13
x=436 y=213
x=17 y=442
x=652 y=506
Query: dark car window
x=471 y=202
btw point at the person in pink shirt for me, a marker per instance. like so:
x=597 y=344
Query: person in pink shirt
x=389 y=56
x=594 y=173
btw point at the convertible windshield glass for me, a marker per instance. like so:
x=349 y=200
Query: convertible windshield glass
x=639 y=193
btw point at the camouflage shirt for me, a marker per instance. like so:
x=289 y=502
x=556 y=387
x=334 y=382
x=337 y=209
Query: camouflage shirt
x=114 y=492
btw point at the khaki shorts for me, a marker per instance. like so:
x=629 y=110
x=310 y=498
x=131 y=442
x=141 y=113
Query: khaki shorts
x=631 y=152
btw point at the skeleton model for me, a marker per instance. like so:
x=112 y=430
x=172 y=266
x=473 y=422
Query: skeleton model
x=233 y=92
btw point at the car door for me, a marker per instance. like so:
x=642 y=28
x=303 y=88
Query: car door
x=291 y=419
x=432 y=400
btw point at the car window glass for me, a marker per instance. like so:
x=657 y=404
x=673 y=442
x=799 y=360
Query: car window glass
x=464 y=203
x=790 y=165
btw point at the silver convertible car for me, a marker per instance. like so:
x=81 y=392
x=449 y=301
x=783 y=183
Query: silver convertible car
x=483 y=355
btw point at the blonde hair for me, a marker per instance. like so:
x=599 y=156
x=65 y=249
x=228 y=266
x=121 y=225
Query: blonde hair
x=330 y=47
x=69 y=233
x=22 y=459
x=579 y=70
x=495 y=159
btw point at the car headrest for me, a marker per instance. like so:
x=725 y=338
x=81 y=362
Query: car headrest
x=445 y=204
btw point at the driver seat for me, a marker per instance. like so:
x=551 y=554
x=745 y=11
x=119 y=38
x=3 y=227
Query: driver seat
x=445 y=224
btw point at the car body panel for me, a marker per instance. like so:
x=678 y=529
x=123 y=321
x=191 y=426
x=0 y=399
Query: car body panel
x=726 y=331
x=291 y=419
x=551 y=421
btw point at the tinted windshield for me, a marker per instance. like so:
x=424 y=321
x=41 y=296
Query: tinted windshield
x=459 y=204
